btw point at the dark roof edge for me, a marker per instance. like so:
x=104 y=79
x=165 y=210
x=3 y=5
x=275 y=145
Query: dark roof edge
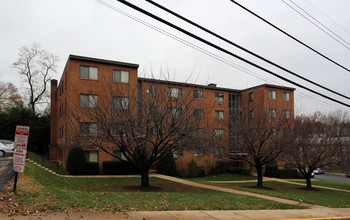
x=96 y=60
x=270 y=86
x=187 y=84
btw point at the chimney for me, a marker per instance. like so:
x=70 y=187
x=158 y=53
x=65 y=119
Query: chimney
x=213 y=85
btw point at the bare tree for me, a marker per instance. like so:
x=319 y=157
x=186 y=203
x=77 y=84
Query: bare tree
x=8 y=94
x=36 y=66
x=314 y=142
x=141 y=128
x=261 y=137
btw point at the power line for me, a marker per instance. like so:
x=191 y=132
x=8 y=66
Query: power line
x=319 y=22
x=316 y=25
x=226 y=51
x=329 y=18
x=289 y=35
x=242 y=48
x=204 y=51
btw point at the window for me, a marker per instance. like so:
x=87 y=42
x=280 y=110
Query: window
x=91 y=156
x=88 y=72
x=286 y=96
x=219 y=97
x=198 y=113
x=118 y=130
x=251 y=96
x=178 y=153
x=198 y=94
x=88 y=129
x=272 y=113
x=251 y=114
x=174 y=112
x=88 y=101
x=199 y=132
x=272 y=94
x=219 y=132
x=198 y=153
x=119 y=154
x=219 y=115
x=174 y=92
x=120 y=102
x=273 y=130
x=286 y=114
x=120 y=76
x=152 y=89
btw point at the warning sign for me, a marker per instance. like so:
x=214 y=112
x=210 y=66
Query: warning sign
x=20 y=148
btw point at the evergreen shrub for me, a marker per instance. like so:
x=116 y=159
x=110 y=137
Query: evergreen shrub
x=76 y=161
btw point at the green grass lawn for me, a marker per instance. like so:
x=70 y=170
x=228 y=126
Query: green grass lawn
x=52 y=165
x=332 y=184
x=223 y=177
x=330 y=198
x=40 y=190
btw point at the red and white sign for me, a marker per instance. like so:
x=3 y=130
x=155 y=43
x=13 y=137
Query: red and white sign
x=20 y=148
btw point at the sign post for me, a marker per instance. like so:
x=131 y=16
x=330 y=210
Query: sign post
x=20 y=151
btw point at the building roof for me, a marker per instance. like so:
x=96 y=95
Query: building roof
x=209 y=86
x=96 y=60
x=270 y=86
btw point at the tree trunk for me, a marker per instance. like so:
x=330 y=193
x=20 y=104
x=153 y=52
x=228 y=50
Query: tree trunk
x=308 y=182
x=259 y=171
x=144 y=178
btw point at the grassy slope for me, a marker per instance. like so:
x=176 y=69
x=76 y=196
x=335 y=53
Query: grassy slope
x=330 y=198
x=41 y=190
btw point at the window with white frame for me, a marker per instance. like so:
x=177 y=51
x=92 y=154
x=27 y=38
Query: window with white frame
x=219 y=115
x=198 y=113
x=120 y=76
x=88 y=101
x=88 y=129
x=118 y=129
x=272 y=94
x=219 y=96
x=251 y=96
x=91 y=156
x=152 y=89
x=174 y=112
x=118 y=155
x=286 y=113
x=198 y=94
x=88 y=72
x=286 y=96
x=174 y=92
x=251 y=114
x=272 y=113
x=120 y=103
x=219 y=132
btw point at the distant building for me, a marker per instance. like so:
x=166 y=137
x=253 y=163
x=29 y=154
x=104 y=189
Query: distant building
x=83 y=80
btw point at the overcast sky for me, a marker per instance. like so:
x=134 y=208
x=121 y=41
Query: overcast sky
x=88 y=28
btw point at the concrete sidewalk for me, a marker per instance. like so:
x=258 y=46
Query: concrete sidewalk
x=317 y=213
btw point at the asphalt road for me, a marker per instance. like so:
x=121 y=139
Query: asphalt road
x=340 y=178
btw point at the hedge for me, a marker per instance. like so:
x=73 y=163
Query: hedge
x=92 y=168
x=118 y=168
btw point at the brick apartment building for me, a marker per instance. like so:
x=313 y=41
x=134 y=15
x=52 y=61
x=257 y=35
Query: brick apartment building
x=84 y=81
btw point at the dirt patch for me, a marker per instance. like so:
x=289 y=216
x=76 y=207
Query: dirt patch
x=144 y=188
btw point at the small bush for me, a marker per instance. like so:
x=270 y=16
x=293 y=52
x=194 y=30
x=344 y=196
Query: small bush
x=229 y=167
x=192 y=170
x=92 y=168
x=76 y=161
x=242 y=171
x=271 y=170
x=167 y=165
x=119 y=168
x=289 y=174
x=181 y=172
